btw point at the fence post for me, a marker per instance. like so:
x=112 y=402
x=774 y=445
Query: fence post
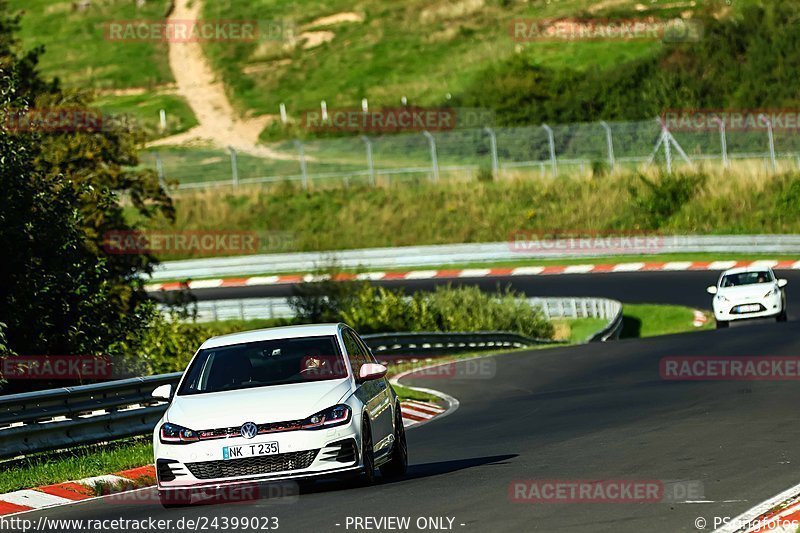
x=434 y=159
x=609 y=144
x=160 y=170
x=370 y=163
x=723 y=141
x=234 y=167
x=493 y=146
x=771 y=141
x=303 y=169
x=284 y=118
x=667 y=150
x=551 y=140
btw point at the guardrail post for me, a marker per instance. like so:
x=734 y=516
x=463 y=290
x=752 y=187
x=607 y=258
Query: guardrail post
x=234 y=167
x=303 y=169
x=160 y=170
x=723 y=141
x=609 y=144
x=551 y=140
x=493 y=147
x=434 y=159
x=370 y=162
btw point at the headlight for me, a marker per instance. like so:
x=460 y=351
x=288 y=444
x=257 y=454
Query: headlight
x=771 y=292
x=338 y=415
x=721 y=298
x=175 y=434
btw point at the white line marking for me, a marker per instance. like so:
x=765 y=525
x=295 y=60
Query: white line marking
x=677 y=265
x=370 y=276
x=578 y=269
x=475 y=272
x=262 y=280
x=33 y=498
x=764 y=507
x=627 y=267
x=205 y=284
x=764 y=263
x=421 y=274
x=527 y=271
x=409 y=411
x=795 y=266
x=721 y=265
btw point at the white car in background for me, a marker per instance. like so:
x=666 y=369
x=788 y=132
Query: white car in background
x=274 y=404
x=748 y=292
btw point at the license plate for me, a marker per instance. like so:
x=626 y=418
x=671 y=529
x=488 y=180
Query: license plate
x=249 y=450
x=748 y=308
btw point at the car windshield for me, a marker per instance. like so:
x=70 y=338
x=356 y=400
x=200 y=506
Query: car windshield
x=264 y=363
x=746 y=278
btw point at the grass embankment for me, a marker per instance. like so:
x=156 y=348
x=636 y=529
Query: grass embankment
x=44 y=469
x=384 y=50
x=82 y=462
x=425 y=213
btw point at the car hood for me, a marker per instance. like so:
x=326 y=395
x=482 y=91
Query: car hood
x=261 y=405
x=746 y=292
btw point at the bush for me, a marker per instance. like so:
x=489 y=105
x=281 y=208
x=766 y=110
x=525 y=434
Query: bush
x=371 y=309
x=660 y=199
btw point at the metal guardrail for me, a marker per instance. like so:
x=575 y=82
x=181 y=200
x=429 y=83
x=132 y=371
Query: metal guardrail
x=255 y=308
x=448 y=254
x=72 y=416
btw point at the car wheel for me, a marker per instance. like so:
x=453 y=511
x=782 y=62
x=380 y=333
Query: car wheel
x=368 y=454
x=173 y=499
x=398 y=464
x=722 y=324
x=781 y=317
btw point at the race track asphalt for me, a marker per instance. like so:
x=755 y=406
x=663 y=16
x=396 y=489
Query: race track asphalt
x=592 y=412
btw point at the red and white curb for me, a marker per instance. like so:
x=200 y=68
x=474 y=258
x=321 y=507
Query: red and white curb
x=289 y=279
x=415 y=412
x=64 y=493
x=779 y=514
x=700 y=319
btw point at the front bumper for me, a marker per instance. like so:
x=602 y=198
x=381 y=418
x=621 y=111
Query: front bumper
x=302 y=454
x=768 y=307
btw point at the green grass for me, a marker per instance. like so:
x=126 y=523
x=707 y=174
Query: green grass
x=650 y=320
x=430 y=213
x=78 y=52
x=78 y=463
x=145 y=109
x=400 y=48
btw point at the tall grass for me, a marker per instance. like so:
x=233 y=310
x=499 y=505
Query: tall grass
x=453 y=212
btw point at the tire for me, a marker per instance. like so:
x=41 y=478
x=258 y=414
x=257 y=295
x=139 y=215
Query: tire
x=175 y=499
x=398 y=464
x=721 y=324
x=367 y=476
x=781 y=317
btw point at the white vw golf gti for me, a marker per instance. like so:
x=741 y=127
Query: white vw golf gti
x=748 y=292
x=273 y=404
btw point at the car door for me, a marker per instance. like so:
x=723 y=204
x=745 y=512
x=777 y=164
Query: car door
x=371 y=393
x=387 y=411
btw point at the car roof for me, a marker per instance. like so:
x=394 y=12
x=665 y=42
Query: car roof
x=284 y=332
x=751 y=268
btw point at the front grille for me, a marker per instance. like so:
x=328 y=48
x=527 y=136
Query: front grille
x=251 y=466
x=263 y=429
x=343 y=451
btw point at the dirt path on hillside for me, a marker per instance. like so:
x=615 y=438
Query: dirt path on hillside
x=195 y=81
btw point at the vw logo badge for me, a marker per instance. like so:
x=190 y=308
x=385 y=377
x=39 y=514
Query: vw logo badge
x=249 y=430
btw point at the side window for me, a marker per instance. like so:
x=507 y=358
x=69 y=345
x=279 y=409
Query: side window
x=355 y=352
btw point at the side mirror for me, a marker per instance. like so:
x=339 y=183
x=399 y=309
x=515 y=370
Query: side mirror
x=163 y=392
x=782 y=283
x=370 y=371
x=711 y=289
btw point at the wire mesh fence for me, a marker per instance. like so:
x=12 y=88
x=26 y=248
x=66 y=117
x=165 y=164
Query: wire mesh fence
x=466 y=154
